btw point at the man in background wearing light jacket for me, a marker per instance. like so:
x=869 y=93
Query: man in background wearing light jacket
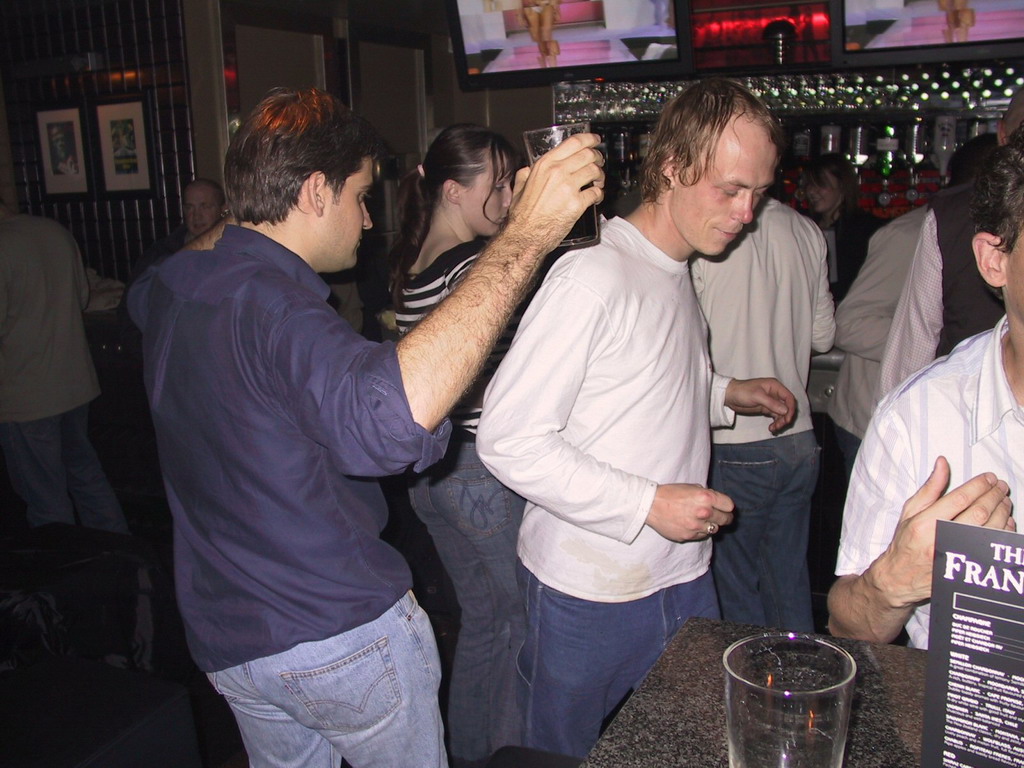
x=862 y=328
x=768 y=307
x=865 y=316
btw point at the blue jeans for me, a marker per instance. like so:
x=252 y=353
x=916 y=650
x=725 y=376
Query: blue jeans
x=760 y=561
x=368 y=695
x=582 y=658
x=55 y=470
x=474 y=522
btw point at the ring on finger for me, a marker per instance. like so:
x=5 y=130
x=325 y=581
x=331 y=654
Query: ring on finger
x=712 y=529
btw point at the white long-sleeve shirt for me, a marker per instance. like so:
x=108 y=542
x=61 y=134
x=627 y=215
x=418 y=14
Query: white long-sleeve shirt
x=863 y=319
x=768 y=305
x=606 y=392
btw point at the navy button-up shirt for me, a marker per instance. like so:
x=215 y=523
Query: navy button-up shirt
x=271 y=417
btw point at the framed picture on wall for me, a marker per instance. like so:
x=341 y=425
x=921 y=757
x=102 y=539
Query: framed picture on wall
x=123 y=135
x=63 y=151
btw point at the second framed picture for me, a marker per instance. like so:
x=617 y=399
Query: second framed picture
x=124 y=137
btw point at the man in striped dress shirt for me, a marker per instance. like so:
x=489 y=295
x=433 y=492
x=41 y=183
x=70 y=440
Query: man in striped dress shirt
x=957 y=424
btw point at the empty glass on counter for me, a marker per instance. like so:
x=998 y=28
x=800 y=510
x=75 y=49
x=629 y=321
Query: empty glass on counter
x=787 y=701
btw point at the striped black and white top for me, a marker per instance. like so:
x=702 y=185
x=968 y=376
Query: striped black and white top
x=426 y=290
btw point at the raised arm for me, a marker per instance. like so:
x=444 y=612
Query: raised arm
x=442 y=356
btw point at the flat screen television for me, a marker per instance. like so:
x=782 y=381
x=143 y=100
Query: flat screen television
x=886 y=32
x=494 y=46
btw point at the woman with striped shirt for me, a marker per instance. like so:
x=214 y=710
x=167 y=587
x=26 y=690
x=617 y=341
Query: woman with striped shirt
x=450 y=205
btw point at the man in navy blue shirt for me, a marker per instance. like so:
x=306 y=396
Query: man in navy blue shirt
x=272 y=415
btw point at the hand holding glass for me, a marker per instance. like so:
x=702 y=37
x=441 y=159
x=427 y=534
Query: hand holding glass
x=787 y=701
x=541 y=140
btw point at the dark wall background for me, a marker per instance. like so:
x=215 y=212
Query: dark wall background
x=60 y=53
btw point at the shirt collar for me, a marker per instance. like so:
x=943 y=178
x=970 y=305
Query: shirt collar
x=994 y=399
x=259 y=246
x=642 y=247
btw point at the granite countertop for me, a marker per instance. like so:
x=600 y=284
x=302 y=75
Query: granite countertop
x=677 y=717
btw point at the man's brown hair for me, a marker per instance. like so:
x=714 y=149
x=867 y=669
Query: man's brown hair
x=290 y=135
x=689 y=127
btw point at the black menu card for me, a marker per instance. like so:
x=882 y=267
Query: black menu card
x=974 y=684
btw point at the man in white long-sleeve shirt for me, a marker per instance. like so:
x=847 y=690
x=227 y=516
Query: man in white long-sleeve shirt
x=768 y=306
x=600 y=415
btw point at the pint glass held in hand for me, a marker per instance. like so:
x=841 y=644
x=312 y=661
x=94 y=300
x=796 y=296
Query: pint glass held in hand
x=787 y=701
x=539 y=141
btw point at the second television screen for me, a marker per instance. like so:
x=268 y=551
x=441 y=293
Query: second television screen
x=520 y=35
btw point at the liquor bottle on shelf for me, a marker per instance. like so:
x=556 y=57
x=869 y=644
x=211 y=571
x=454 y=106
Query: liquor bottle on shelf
x=923 y=174
x=643 y=144
x=915 y=146
x=914 y=152
x=892 y=167
x=802 y=144
x=621 y=149
x=830 y=140
x=859 y=139
x=887 y=152
x=944 y=143
x=791 y=168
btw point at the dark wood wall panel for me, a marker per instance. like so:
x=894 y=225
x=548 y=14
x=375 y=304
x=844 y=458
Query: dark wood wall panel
x=56 y=53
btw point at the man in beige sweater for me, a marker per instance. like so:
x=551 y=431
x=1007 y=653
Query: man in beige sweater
x=47 y=377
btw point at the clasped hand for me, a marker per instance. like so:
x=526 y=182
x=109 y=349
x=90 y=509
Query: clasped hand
x=683 y=512
x=904 y=570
